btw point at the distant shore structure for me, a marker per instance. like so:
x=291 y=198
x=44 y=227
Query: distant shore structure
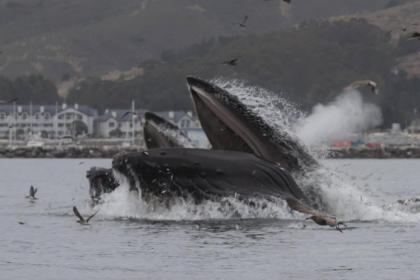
x=33 y=123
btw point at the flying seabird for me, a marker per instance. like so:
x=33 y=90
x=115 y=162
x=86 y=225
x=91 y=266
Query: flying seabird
x=32 y=192
x=373 y=86
x=8 y=101
x=243 y=22
x=324 y=220
x=231 y=62
x=128 y=113
x=319 y=218
x=287 y=1
x=415 y=35
x=82 y=220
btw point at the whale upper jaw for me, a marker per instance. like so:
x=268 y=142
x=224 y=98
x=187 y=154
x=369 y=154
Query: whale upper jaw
x=230 y=125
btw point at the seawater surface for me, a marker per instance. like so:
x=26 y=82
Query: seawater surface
x=130 y=240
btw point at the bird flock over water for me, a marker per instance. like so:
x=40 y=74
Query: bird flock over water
x=81 y=220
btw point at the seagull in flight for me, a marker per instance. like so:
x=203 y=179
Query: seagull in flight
x=32 y=192
x=128 y=113
x=414 y=36
x=318 y=217
x=373 y=86
x=324 y=220
x=8 y=101
x=82 y=220
x=231 y=62
x=243 y=22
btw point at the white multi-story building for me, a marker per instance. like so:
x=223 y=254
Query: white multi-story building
x=58 y=121
x=189 y=124
x=182 y=119
x=50 y=121
x=119 y=123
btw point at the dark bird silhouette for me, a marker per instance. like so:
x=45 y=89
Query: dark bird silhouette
x=32 y=192
x=82 y=220
x=287 y=1
x=319 y=218
x=8 y=101
x=243 y=22
x=373 y=86
x=231 y=62
x=414 y=36
x=128 y=113
x=324 y=220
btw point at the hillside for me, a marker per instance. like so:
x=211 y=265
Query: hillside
x=400 y=19
x=71 y=39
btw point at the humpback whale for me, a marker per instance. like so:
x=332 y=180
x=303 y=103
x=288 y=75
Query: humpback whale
x=198 y=174
x=230 y=125
x=249 y=158
x=160 y=133
x=101 y=181
x=204 y=174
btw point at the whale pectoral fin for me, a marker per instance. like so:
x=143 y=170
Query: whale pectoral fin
x=318 y=217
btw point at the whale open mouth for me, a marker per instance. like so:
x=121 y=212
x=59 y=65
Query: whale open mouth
x=230 y=125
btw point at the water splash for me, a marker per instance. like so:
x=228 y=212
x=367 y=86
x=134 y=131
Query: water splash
x=339 y=119
x=126 y=204
x=338 y=193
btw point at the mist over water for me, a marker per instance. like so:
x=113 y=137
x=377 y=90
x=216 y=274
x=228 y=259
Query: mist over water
x=339 y=119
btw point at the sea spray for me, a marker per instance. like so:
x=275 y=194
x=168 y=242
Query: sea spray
x=341 y=196
x=338 y=120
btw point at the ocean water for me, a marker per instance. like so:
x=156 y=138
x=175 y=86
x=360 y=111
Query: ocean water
x=129 y=239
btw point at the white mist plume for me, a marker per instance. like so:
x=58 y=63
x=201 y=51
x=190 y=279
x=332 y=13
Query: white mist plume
x=347 y=114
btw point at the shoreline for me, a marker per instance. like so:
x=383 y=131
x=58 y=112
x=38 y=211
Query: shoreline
x=109 y=152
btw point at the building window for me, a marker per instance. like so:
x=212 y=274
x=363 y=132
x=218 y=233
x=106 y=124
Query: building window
x=185 y=123
x=47 y=116
x=111 y=124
